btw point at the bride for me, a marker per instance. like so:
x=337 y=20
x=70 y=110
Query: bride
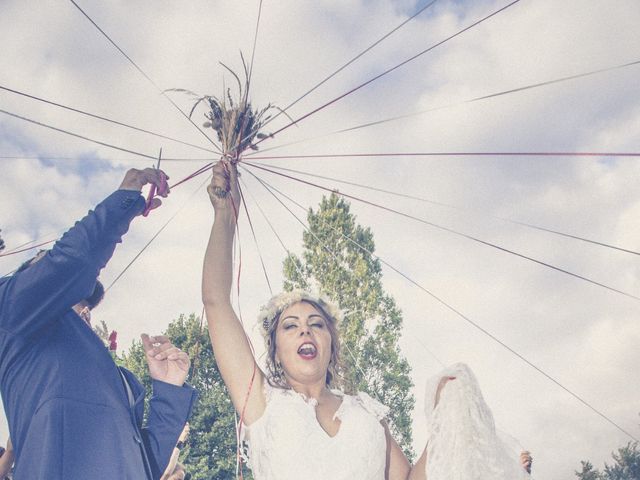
x=294 y=424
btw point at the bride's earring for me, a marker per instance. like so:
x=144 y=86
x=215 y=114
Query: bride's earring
x=279 y=371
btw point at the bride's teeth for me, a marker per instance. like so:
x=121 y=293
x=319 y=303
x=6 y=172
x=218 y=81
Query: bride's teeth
x=307 y=349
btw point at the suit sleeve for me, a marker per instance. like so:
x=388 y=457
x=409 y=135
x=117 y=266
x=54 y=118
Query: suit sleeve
x=37 y=296
x=169 y=410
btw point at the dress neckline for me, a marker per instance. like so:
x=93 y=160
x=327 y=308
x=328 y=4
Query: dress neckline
x=313 y=404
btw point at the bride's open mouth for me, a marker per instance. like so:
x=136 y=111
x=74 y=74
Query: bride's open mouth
x=308 y=351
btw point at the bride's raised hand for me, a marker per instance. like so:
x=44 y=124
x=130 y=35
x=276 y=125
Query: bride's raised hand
x=223 y=189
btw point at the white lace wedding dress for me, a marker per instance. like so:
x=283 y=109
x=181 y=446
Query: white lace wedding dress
x=288 y=443
x=462 y=440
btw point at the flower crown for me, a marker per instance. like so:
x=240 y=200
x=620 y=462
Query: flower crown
x=279 y=303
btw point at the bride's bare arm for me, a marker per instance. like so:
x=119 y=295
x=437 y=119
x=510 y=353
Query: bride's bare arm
x=398 y=466
x=230 y=344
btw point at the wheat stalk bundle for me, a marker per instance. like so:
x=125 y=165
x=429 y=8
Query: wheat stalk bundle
x=236 y=122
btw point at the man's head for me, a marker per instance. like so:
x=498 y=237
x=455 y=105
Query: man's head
x=96 y=296
x=82 y=308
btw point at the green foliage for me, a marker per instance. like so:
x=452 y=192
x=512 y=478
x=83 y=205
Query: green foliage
x=350 y=275
x=102 y=331
x=626 y=466
x=211 y=447
x=588 y=473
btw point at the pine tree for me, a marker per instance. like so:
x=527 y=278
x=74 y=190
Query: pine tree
x=588 y=473
x=626 y=466
x=371 y=328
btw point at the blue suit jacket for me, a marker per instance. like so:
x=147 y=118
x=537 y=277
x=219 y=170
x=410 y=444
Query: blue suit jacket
x=68 y=411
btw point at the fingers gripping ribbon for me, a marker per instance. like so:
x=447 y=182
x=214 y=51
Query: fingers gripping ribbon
x=162 y=189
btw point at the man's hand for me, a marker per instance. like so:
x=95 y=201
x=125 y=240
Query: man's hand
x=167 y=363
x=526 y=460
x=136 y=179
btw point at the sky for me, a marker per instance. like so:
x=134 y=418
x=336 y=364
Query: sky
x=583 y=335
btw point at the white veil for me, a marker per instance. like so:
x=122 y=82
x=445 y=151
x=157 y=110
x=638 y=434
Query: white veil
x=462 y=440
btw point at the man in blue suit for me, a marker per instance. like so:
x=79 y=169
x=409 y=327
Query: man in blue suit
x=72 y=413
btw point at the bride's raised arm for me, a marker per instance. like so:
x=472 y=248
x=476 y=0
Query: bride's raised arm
x=230 y=344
